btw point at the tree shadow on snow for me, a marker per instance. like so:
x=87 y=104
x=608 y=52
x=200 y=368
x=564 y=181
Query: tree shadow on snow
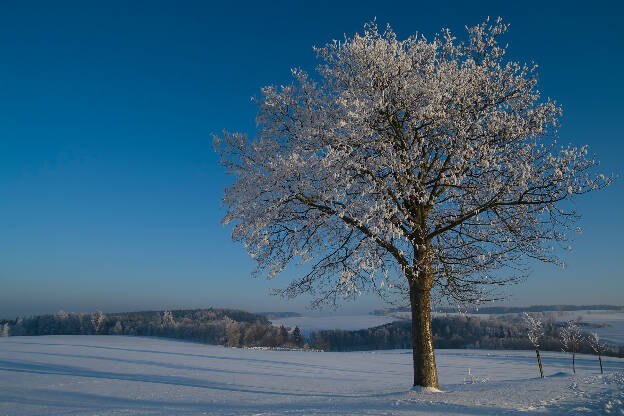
x=214 y=357
x=178 y=381
x=77 y=401
x=296 y=374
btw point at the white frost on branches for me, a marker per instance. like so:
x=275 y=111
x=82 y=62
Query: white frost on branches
x=571 y=336
x=535 y=329
x=596 y=345
x=431 y=163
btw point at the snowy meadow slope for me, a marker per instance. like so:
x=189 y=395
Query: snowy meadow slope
x=106 y=375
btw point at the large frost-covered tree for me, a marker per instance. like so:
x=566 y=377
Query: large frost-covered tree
x=407 y=167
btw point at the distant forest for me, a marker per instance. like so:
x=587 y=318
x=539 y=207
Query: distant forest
x=510 y=309
x=505 y=332
x=237 y=328
x=230 y=327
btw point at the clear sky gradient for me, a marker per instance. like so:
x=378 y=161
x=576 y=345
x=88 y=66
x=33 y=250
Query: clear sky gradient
x=109 y=187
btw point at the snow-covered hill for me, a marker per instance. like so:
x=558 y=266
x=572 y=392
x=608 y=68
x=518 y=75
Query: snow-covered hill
x=112 y=375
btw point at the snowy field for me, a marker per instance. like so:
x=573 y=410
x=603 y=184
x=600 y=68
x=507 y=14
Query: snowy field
x=115 y=375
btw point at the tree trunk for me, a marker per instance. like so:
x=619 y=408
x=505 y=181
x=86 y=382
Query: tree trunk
x=573 y=368
x=600 y=360
x=425 y=372
x=539 y=362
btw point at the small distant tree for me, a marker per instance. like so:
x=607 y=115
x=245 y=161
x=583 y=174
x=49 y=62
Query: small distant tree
x=283 y=335
x=4 y=330
x=254 y=334
x=598 y=347
x=18 y=328
x=407 y=168
x=297 y=340
x=167 y=322
x=571 y=338
x=535 y=332
x=320 y=342
x=117 y=329
x=232 y=332
x=84 y=323
x=97 y=321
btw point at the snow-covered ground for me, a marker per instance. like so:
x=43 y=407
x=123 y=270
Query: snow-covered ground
x=114 y=375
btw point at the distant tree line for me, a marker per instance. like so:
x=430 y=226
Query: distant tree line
x=451 y=332
x=510 y=309
x=231 y=327
x=237 y=328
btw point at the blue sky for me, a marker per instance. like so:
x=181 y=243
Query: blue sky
x=110 y=187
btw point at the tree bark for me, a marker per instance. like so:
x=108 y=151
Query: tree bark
x=425 y=371
x=539 y=361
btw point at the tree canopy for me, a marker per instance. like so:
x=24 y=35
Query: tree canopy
x=403 y=149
